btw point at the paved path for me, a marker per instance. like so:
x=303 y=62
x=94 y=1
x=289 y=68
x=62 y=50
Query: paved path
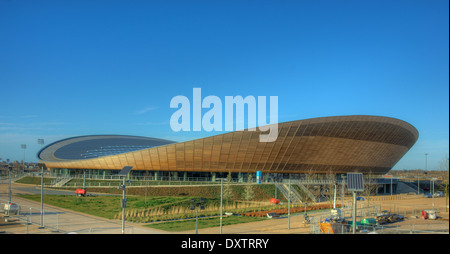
x=69 y=221
x=62 y=219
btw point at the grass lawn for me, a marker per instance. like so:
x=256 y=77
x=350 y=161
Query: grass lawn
x=106 y=206
x=184 y=225
x=109 y=206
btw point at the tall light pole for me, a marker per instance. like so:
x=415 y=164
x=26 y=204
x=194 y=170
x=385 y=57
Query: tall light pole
x=343 y=191
x=9 y=185
x=195 y=203
x=446 y=187
x=289 y=204
x=433 y=191
x=124 y=172
x=418 y=182
x=426 y=166
x=221 y=200
x=42 y=198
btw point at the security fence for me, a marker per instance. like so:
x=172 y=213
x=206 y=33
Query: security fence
x=320 y=223
x=28 y=215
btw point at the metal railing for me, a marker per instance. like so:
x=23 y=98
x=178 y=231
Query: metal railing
x=28 y=215
x=364 y=211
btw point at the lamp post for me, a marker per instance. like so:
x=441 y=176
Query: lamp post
x=355 y=182
x=42 y=198
x=275 y=183
x=343 y=191
x=195 y=203
x=418 y=183
x=9 y=186
x=221 y=200
x=391 y=186
x=432 y=180
x=124 y=172
x=289 y=204
x=446 y=188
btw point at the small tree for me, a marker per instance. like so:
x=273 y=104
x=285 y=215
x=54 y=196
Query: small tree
x=227 y=191
x=249 y=193
x=370 y=186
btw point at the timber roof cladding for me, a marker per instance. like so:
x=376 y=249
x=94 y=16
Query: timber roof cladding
x=328 y=144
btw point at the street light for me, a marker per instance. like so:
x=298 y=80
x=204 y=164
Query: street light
x=289 y=204
x=221 y=200
x=195 y=203
x=124 y=172
x=42 y=198
x=9 y=185
x=433 y=179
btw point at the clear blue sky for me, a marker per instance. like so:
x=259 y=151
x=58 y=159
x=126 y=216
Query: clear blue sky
x=71 y=68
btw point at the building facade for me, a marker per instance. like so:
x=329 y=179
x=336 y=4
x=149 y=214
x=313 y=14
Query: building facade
x=337 y=145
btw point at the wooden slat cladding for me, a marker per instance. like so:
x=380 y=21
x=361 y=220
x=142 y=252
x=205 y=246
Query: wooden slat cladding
x=338 y=144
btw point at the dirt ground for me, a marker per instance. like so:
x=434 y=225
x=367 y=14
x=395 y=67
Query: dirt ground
x=411 y=207
x=408 y=206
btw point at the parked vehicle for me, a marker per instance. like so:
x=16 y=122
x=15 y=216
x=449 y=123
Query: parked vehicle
x=273 y=215
x=427 y=195
x=11 y=208
x=439 y=194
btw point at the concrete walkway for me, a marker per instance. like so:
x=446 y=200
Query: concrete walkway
x=59 y=218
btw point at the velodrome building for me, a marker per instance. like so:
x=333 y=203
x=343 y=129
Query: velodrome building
x=337 y=144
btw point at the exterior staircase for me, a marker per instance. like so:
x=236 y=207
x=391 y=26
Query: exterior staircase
x=284 y=189
x=61 y=181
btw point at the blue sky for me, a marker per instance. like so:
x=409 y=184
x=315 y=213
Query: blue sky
x=71 y=68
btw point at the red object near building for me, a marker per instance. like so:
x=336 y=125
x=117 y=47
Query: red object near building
x=424 y=215
x=274 y=200
x=80 y=192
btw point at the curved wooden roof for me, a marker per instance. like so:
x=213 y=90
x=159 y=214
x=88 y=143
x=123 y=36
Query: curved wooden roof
x=336 y=144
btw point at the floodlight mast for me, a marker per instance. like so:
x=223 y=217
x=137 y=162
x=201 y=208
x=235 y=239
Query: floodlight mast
x=124 y=172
